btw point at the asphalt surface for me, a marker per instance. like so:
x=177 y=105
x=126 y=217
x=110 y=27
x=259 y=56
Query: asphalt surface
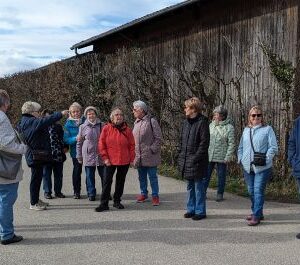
x=71 y=232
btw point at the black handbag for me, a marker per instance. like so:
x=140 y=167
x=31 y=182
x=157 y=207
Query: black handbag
x=41 y=156
x=9 y=165
x=259 y=158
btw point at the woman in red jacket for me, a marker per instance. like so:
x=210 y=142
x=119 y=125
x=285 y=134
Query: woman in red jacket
x=116 y=147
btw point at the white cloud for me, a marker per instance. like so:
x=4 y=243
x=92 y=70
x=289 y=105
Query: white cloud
x=34 y=33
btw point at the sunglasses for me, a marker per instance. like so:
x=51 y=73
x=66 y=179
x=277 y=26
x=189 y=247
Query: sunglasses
x=256 y=115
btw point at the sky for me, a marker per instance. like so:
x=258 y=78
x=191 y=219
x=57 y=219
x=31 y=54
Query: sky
x=34 y=33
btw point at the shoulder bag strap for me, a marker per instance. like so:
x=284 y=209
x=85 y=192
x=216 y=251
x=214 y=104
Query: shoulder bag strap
x=251 y=140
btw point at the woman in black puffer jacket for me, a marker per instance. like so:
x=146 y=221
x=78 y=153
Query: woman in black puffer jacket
x=193 y=157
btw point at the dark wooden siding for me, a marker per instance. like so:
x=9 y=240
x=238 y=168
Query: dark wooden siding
x=218 y=44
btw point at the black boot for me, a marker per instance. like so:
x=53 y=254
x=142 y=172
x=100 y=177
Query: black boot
x=102 y=208
x=14 y=239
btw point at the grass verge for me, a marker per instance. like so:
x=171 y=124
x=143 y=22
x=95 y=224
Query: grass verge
x=277 y=190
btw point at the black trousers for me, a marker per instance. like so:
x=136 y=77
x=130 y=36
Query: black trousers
x=107 y=181
x=76 y=176
x=35 y=183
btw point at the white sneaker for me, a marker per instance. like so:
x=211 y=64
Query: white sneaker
x=42 y=203
x=37 y=207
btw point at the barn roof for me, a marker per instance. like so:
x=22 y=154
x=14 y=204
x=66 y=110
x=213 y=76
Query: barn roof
x=139 y=21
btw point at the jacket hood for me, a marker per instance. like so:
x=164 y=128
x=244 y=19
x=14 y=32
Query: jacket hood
x=87 y=123
x=147 y=116
x=221 y=123
x=71 y=122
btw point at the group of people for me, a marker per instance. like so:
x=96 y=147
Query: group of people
x=94 y=145
x=114 y=147
x=204 y=146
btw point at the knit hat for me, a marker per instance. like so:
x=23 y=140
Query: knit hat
x=30 y=107
x=140 y=104
x=90 y=108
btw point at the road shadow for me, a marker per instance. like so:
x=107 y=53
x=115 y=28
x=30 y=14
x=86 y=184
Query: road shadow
x=167 y=231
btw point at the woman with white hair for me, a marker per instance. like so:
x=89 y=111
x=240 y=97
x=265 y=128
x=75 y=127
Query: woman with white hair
x=87 y=153
x=34 y=130
x=70 y=138
x=116 y=147
x=221 y=148
x=148 y=137
x=8 y=186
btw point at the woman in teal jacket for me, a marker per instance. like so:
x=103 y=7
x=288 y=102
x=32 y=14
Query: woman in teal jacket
x=221 y=148
x=70 y=138
x=256 y=176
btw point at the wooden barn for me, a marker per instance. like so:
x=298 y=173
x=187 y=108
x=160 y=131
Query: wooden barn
x=230 y=52
x=234 y=52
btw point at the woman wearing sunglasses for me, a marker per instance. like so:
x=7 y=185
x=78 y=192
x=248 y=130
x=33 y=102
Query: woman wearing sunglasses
x=256 y=150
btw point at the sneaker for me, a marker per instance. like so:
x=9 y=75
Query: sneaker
x=48 y=196
x=42 y=203
x=118 y=205
x=198 y=217
x=254 y=221
x=141 y=198
x=219 y=197
x=37 y=207
x=60 y=195
x=188 y=215
x=155 y=201
x=102 y=208
x=298 y=236
x=250 y=216
x=76 y=196
x=14 y=239
x=92 y=198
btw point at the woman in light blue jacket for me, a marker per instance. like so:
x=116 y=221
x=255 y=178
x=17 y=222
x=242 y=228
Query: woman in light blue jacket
x=256 y=176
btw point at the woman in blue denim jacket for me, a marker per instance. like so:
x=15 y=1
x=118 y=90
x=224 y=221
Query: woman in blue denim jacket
x=256 y=177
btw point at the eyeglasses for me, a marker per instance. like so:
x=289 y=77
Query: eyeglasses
x=135 y=110
x=256 y=115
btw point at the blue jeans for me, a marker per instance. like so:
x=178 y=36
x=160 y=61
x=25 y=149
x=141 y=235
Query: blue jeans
x=8 y=196
x=196 y=199
x=152 y=173
x=221 y=173
x=256 y=184
x=90 y=179
x=57 y=168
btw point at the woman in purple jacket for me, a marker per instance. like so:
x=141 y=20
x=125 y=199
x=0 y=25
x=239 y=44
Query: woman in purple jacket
x=86 y=153
x=148 y=137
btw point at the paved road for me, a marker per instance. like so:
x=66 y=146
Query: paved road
x=70 y=232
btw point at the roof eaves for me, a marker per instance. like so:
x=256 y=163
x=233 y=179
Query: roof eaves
x=135 y=22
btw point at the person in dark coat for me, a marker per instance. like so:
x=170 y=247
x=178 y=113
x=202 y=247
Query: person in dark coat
x=294 y=153
x=193 y=157
x=56 y=134
x=35 y=134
